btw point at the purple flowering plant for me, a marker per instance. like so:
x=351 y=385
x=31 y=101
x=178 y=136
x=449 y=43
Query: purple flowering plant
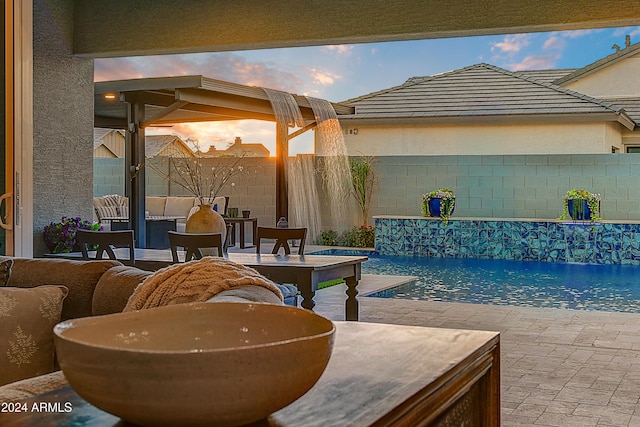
x=60 y=237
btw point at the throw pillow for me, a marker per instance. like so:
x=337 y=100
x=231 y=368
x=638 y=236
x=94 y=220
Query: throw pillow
x=27 y=318
x=5 y=271
x=108 y=212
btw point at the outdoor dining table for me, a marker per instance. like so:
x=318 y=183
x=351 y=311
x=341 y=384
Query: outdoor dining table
x=305 y=271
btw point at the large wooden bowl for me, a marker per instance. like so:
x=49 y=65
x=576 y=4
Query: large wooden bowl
x=207 y=364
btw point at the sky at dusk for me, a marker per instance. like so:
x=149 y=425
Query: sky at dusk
x=337 y=73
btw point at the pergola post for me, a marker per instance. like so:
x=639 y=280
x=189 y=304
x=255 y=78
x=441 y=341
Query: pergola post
x=282 y=151
x=135 y=162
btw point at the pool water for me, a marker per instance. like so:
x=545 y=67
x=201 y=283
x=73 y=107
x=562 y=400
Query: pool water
x=503 y=282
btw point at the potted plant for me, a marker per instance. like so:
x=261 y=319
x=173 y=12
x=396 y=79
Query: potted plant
x=60 y=237
x=364 y=181
x=581 y=205
x=440 y=202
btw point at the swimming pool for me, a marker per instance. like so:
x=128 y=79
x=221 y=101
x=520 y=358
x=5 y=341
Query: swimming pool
x=504 y=282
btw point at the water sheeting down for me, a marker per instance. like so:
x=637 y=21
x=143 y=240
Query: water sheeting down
x=304 y=210
x=336 y=173
x=285 y=108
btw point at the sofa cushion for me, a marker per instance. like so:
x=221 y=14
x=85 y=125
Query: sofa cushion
x=108 y=212
x=115 y=287
x=5 y=271
x=179 y=206
x=81 y=277
x=155 y=205
x=27 y=318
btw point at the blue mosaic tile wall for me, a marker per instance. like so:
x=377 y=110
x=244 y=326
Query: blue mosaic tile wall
x=553 y=241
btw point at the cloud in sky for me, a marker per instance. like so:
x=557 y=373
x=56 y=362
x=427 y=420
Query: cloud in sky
x=554 y=43
x=534 y=62
x=513 y=43
x=223 y=66
x=345 y=50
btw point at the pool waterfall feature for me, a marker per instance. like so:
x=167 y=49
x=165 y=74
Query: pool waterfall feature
x=605 y=242
x=300 y=171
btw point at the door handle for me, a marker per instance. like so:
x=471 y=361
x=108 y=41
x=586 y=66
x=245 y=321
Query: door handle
x=9 y=224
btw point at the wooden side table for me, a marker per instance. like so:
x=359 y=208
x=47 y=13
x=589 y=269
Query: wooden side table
x=378 y=375
x=241 y=222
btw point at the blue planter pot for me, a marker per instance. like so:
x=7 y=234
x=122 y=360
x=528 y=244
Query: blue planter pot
x=436 y=207
x=579 y=209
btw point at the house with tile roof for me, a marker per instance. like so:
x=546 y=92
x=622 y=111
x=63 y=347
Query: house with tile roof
x=484 y=109
x=110 y=143
x=237 y=149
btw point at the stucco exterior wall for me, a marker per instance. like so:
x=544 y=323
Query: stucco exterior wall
x=480 y=139
x=62 y=135
x=612 y=138
x=616 y=80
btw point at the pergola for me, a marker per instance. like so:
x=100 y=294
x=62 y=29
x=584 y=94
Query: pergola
x=135 y=104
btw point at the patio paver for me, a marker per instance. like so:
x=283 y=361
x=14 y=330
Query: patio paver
x=559 y=367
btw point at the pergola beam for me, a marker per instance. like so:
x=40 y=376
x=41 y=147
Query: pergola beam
x=302 y=130
x=163 y=113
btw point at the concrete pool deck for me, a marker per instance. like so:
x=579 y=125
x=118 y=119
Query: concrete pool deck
x=558 y=367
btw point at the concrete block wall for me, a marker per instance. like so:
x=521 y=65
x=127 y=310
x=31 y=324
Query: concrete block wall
x=253 y=190
x=510 y=186
x=108 y=176
x=486 y=186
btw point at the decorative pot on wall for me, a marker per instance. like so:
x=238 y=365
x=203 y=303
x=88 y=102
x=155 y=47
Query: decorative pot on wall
x=206 y=220
x=579 y=209
x=436 y=206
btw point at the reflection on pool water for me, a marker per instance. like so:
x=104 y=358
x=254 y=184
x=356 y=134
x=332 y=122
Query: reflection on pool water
x=502 y=282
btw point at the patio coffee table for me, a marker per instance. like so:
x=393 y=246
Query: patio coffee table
x=378 y=375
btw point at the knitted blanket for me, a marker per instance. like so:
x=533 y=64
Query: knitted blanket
x=195 y=281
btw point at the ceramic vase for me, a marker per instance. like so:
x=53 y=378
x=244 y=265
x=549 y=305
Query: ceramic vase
x=206 y=220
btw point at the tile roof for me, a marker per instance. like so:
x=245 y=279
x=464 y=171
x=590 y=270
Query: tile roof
x=481 y=90
x=631 y=106
x=546 y=76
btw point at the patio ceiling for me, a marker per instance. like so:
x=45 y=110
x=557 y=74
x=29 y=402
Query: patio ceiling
x=185 y=99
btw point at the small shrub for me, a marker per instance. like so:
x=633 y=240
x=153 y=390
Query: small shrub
x=356 y=237
x=328 y=238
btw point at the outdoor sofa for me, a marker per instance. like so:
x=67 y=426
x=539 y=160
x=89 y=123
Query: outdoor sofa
x=66 y=289
x=116 y=206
